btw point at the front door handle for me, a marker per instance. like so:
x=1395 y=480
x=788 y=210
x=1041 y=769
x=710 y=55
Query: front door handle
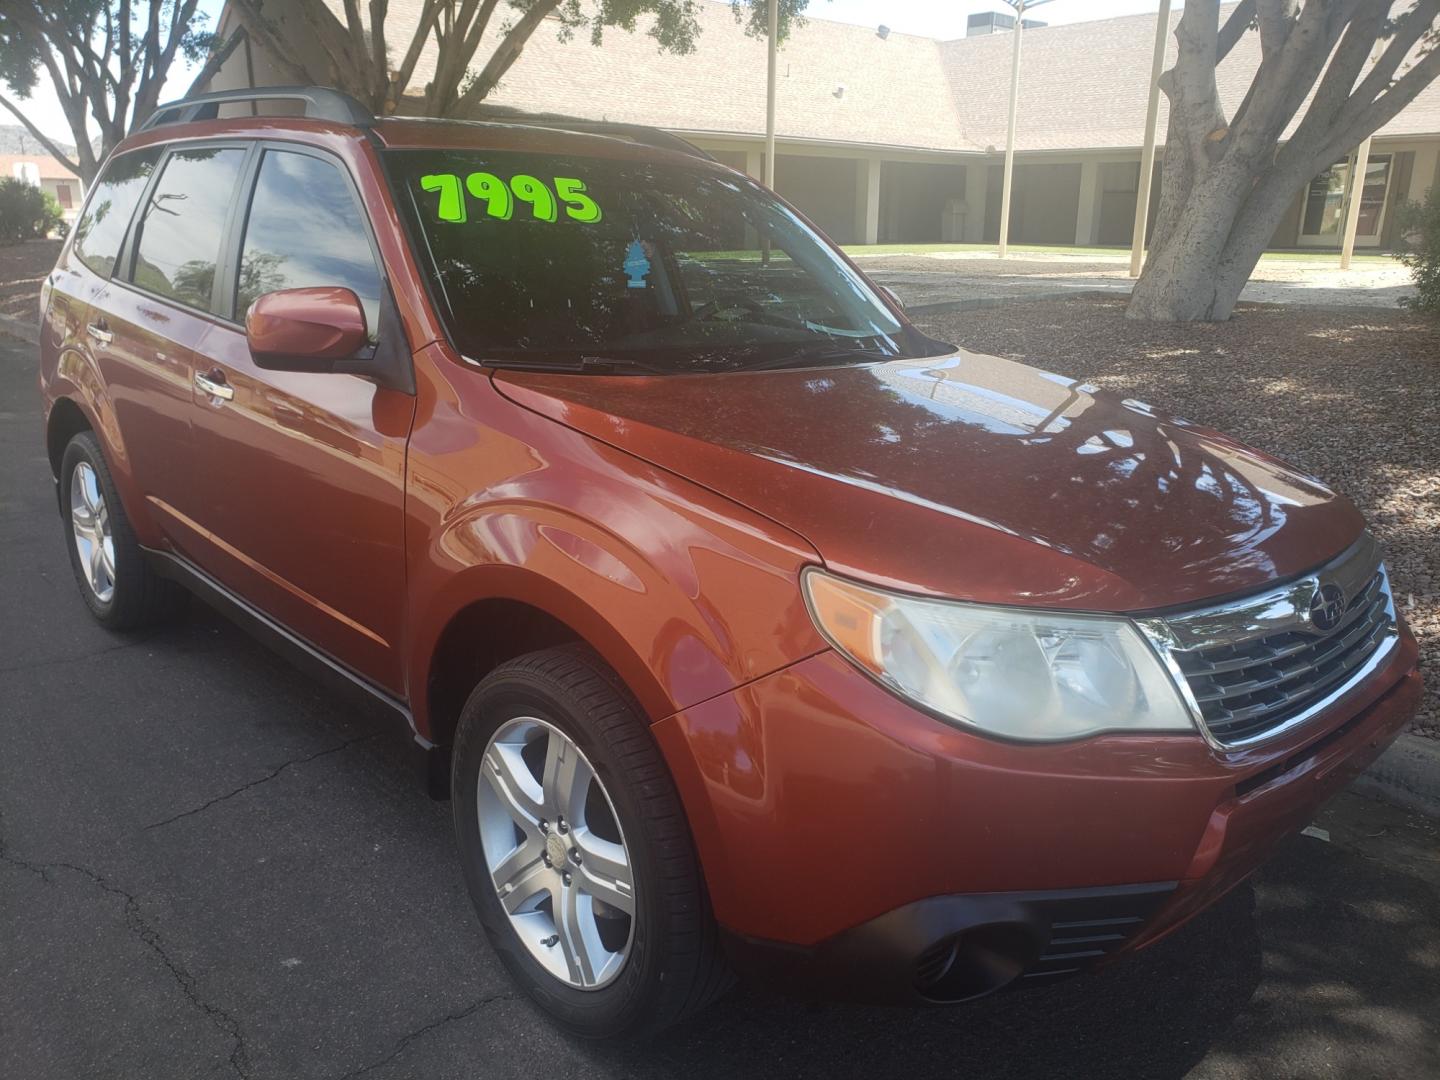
x=100 y=333
x=216 y=389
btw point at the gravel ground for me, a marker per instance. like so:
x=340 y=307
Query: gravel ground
x=1350 y=396
x=22 y=268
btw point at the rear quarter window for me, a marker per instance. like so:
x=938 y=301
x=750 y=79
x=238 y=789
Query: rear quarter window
x=101 y=228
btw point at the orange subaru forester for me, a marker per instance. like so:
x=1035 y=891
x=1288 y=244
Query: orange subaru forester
x=750 y=628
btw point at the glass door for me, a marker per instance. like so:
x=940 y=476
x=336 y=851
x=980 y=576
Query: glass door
x=1323 y=220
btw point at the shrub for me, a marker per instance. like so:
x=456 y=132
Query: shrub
x=1420 y=250
x=26 y=212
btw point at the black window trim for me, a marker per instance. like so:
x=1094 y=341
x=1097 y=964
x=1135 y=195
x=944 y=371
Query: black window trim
x=392 y=343
x=233 y=246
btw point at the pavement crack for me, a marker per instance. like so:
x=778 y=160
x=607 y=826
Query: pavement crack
x=405 y=1040
x=256 y=783
x=119 y=646
x=136 y=923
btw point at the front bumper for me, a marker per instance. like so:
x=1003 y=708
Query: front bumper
x=855 y=845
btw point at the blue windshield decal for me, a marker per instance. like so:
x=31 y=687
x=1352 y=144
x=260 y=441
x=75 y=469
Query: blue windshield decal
x=636 y=265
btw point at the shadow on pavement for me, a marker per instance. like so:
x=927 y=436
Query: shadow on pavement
x=1155 y=1015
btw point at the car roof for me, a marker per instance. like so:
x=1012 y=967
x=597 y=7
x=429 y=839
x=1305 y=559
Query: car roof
x=329 y=111
x=618 y=141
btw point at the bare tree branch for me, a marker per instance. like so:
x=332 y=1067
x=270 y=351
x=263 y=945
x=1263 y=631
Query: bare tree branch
x=262 y=30
x=216 y=60
x=417 y=44
x=1234 y=29
x=54 y=150
x=506 y=53
x=1276 y=18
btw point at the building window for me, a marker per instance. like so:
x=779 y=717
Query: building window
x=62 y=195
x=1325 y=201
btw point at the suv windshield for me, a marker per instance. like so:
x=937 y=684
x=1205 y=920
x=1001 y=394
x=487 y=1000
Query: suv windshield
x=609 y=265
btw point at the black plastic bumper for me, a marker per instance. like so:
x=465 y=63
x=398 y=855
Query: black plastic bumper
x=947 y=949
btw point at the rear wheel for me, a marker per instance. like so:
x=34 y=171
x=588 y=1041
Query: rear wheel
x=576 y=851
x=117 y=584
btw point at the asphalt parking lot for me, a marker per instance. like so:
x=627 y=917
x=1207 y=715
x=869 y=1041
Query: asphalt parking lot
x=208 y=868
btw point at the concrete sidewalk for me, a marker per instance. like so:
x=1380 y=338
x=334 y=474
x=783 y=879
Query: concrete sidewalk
x=974 y=278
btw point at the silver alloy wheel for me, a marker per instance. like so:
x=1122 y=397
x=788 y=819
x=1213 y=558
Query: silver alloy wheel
x=556 y=854
x=90 y=521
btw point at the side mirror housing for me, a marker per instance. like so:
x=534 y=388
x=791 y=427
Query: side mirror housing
x=893 y=296
x=315 y=329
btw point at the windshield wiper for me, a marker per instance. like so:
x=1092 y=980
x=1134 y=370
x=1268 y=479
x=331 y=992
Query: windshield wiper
x=587 y=365
x=811 y=357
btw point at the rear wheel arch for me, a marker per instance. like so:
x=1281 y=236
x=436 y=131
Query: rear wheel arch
x=67 y=419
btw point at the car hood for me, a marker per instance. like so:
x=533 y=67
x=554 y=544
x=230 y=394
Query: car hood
x=972 y=477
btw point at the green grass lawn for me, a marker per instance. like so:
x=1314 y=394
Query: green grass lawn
x=1113 y=252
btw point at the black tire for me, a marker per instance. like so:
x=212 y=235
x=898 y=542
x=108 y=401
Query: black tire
x=140 y=597
x=674 y=967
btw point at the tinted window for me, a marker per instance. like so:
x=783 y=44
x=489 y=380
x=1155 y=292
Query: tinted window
x=101 y=228
x=304 y=230
x=182 y=223
x=593 y=262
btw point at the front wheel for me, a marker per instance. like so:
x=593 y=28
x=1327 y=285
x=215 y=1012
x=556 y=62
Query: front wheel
x=576 y=850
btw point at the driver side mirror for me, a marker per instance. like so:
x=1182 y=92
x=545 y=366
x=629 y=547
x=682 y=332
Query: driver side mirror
x=314 y=330
x=893 y=296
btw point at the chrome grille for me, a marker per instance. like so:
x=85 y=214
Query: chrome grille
x=1258 y=666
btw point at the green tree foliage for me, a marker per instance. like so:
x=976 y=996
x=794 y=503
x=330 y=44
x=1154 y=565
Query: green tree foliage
x=105 y=59
x=26 y=212
x=372 y=53
x=1420 y=225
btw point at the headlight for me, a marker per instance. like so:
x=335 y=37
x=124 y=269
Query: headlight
x=1033 y=675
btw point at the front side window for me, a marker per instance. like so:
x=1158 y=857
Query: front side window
x=597 y=264
x=182 y=223
x=101 y=229
x=304 y=230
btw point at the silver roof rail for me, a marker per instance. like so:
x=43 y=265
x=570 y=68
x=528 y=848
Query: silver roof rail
x=321 y=103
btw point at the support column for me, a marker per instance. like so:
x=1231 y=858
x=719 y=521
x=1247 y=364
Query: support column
x=977 y=175
x=1085 y=210
x=867 y=201
x=1147 y=154
x=1358 y=165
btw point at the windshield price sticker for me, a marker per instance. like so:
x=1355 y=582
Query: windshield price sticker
x=500 y=196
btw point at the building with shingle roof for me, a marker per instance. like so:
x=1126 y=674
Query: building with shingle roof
x=889 y=137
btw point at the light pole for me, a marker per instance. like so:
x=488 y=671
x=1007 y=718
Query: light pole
x=1021 y=7
x=1147 y=156
x=770 y=97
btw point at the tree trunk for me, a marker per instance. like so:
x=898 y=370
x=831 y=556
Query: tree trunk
x=1199 y=273
x=1228 y=182
x=1180 y=282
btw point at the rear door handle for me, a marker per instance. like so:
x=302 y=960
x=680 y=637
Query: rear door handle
x=216 y=389
x=100 y=332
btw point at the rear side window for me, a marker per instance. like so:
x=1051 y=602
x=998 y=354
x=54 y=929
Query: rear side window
x=304 y=230
x=182 y=224
x=101 y=229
